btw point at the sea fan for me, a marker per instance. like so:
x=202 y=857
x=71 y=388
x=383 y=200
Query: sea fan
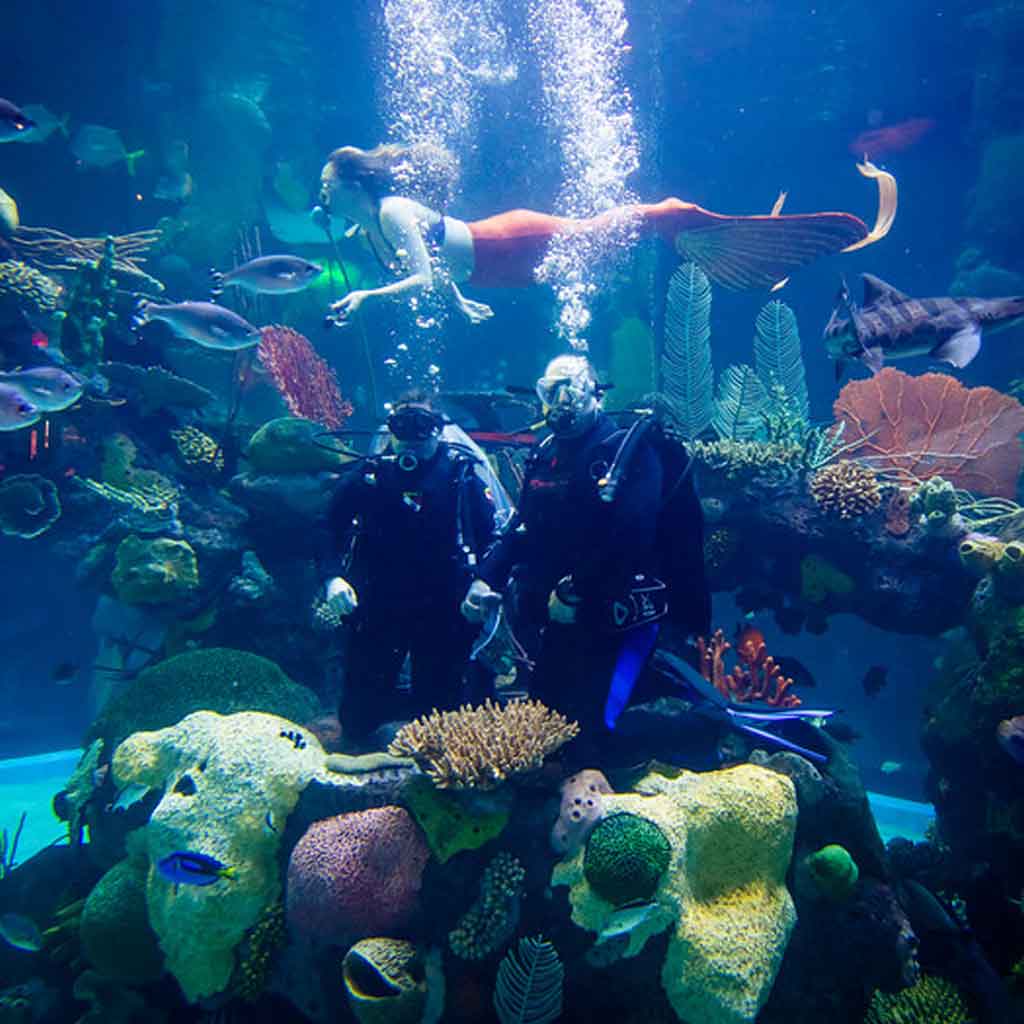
x=777 y=355
x=529 y=985
x=739 y=407
x=686 y=376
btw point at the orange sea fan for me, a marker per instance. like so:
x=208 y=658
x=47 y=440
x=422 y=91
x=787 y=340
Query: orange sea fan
x=913 y=428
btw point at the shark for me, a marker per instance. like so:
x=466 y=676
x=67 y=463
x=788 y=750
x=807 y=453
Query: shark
x=891 y=325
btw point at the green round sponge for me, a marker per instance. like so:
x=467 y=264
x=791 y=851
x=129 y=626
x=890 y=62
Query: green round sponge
x=833 y=871
x=625 y=858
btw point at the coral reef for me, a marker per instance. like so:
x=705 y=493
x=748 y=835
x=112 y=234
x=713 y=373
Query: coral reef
x=738 y=458
x=116 y=938
x=833 y=872
x=229 y=784
x=625 y=858
x=25 y=293
x=385 y=981
x=216 y=679
x=479 y=748
x=307 y=384
x=723 y=893
x=255 y=957
x=897 y=513
x=930 y=999
x=912 y=428
x=845 y=489
x=157 y=570
x=198 y=451
x=756 y=677
x=492 y=919
x=29 y=505
x=289 y=445
x=450 y=822
x=934 y=503
x=582 y=807
x=355 y=875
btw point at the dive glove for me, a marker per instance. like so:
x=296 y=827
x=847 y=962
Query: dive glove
x=341 y=596
x=479 y=600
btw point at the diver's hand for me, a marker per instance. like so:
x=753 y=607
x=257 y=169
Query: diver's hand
x=479 y=600
x=344 y=309
x=474 y=312
x=341 y=596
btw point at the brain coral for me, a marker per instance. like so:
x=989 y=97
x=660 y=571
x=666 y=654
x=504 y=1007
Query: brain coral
x=215 y=679
x=355 y=875
x=229 y=784
x=625 y=857
x=723 y=893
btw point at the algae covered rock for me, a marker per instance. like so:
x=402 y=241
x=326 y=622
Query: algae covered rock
x=230 y=783
x=216 y=679
x=833 y=872
x=155 y=570
x=115 y=933
x=290 y=445
x=723 y=893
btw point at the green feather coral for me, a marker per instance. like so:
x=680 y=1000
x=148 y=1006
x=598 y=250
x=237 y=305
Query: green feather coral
x=686 y=373
x=529 y=985
x=740 y=405
x=777 y=355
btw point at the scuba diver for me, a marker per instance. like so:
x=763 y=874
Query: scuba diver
x=585 y=556
x=406 y=530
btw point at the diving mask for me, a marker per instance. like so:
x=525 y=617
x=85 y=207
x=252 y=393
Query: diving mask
x=414 y=423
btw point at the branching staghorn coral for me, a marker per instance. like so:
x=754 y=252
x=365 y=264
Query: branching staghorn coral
x=50 y=249
x=479 y=748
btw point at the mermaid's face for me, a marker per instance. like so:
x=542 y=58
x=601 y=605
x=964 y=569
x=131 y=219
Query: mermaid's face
x=341 y=196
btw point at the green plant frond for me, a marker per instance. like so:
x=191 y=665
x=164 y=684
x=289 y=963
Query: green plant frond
x=686 y=374
x=777 y=355
x=529 y=984
x=740 y=405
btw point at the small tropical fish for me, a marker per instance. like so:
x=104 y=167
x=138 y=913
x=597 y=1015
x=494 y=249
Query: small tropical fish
x=205 y=323
x=268 y=275
x=9 y=219
x=892 y=325
x=874 y=680
x=13 y=121
x=97 y=146
x=65 y=673
x=15 y=410
x=21 y=932
x=48 y=388
x=130 y=796
x=45 y=124
x=890 y=767
x=625 y=920
x=1011 y=737
x=187 y=868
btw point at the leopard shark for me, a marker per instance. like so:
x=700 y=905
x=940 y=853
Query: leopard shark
x=892 y=325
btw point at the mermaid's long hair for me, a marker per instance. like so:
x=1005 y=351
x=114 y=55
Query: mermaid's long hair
x=421 y=171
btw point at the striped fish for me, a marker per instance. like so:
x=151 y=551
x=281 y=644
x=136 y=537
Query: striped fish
x=891 y=325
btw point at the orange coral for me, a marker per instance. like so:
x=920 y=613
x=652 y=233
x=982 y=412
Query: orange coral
x=755 y=677
x=914 y=428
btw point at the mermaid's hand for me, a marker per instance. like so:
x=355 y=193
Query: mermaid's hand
x=474 y=312
x=344 y=309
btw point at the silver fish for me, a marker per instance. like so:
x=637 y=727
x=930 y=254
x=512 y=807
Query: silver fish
x=97 y=146
x=16 y=411
x=45 y=124
x=892 y=325
x=205 y=323
x=14 y=122
x=21 y=932
x=268 y=275
x=48 y=388
x=625 y=920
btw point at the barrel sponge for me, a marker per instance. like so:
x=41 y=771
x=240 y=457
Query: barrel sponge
x=723 y=893
x=625 y=857
x=229 y=784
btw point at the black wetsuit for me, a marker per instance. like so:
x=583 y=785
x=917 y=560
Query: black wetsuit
x=403 y=529
x=568 y=530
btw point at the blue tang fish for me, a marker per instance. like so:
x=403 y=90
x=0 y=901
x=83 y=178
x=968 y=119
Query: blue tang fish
x=184 y=867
